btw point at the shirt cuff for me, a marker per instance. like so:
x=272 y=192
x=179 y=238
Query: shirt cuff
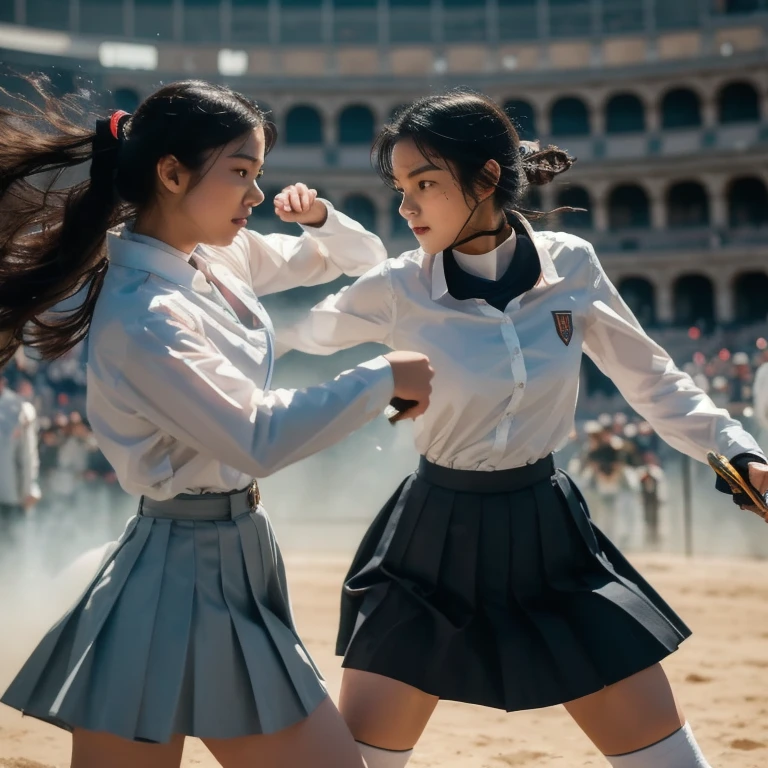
x=381 y=379
x=734 y=441
x=741 y=464
x=328 y=227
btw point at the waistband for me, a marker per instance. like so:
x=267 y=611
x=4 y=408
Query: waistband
x=202 y=506
x=497 y=481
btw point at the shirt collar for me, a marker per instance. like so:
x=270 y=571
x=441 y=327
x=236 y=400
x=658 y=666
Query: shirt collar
x=134 y=251
x=549 y=274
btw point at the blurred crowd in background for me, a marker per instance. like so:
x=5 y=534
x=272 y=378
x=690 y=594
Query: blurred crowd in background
x=53 y=464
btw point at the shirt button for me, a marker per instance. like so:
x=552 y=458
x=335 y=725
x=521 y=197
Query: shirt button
x=521 y=385
x=506 y=320
x=516 y=351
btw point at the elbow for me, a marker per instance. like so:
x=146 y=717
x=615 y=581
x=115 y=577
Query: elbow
x=372 y=254
x=377 y=245
x=268 y=456
x=261 y=472
x=378 y=251
x=262 y=465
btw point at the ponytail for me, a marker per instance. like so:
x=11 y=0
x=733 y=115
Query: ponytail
x=51 y=236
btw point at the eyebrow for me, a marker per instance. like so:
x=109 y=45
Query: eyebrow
x=424 y=169
x=244 y=156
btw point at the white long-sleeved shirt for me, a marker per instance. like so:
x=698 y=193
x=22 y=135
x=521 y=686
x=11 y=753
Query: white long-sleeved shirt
x=179 y=392
x=506 y=383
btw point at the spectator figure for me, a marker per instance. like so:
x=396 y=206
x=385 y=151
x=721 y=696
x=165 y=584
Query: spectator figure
x=653 y=494
x=19 y=461
x=607 y=476
x=740 y=384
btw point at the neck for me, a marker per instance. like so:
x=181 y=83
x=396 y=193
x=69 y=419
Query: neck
x=164 y=227
x=485 y=217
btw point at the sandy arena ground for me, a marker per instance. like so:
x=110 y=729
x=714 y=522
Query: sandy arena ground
x=720 y=676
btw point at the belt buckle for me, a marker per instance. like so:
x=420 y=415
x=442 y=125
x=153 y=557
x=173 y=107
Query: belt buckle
x=254 y=495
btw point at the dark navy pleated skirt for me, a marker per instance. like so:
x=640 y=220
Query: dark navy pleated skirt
x=495 y=588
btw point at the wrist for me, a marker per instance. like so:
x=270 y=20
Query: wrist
x=317 y=215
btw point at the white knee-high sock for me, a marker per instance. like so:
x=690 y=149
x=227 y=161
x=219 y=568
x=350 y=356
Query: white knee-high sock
x=376 y=757
x=679 y=750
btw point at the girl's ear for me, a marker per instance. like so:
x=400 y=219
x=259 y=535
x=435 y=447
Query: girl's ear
x=491 y=175
x=172 y=174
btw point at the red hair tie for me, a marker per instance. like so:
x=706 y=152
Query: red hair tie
x=114 y=122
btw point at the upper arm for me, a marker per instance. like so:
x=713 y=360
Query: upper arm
x=164 y=368
x=614 y=338
x=359 y=313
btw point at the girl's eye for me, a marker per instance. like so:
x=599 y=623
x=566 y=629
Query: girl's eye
x=425 y=184
x=260 y=173
x=242 y=173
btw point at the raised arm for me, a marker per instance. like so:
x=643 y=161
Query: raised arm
x=359 y=313
x=652 y=384
x=332 y=245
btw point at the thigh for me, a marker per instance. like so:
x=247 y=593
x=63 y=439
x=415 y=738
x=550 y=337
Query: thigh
x=384 y=712
x=321 y=740
x=92 y=749
x=629 y=715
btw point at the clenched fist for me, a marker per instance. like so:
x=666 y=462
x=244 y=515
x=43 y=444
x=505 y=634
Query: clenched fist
x=298 y=203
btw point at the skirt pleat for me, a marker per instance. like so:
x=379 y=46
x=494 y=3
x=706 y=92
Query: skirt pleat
x=162 y=708
x=512 y=599
x=186 y=629
x=126 y=633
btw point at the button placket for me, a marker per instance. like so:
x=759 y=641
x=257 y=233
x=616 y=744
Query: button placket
x=517 y=363
x=520 y=377
x=500 y=439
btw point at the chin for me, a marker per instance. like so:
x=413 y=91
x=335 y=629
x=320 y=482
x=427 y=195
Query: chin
x=429 y=246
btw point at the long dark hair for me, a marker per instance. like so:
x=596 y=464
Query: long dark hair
x=468 y=129
x=52 y=233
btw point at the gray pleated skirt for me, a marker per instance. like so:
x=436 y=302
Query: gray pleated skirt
x=186 y=628
x=495 y=588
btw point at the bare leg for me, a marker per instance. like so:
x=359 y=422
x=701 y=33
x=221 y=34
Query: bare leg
x=322 y=740
x=383 y=712
x=629 y=715
x=93 y=749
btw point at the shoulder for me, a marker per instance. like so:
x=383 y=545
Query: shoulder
x=147 y=308
x=410 y=266
x=572 y=255
x=411 y=261
x=402 y=273
x=563 y=245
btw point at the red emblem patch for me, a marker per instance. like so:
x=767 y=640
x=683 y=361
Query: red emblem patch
x=564 y=326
